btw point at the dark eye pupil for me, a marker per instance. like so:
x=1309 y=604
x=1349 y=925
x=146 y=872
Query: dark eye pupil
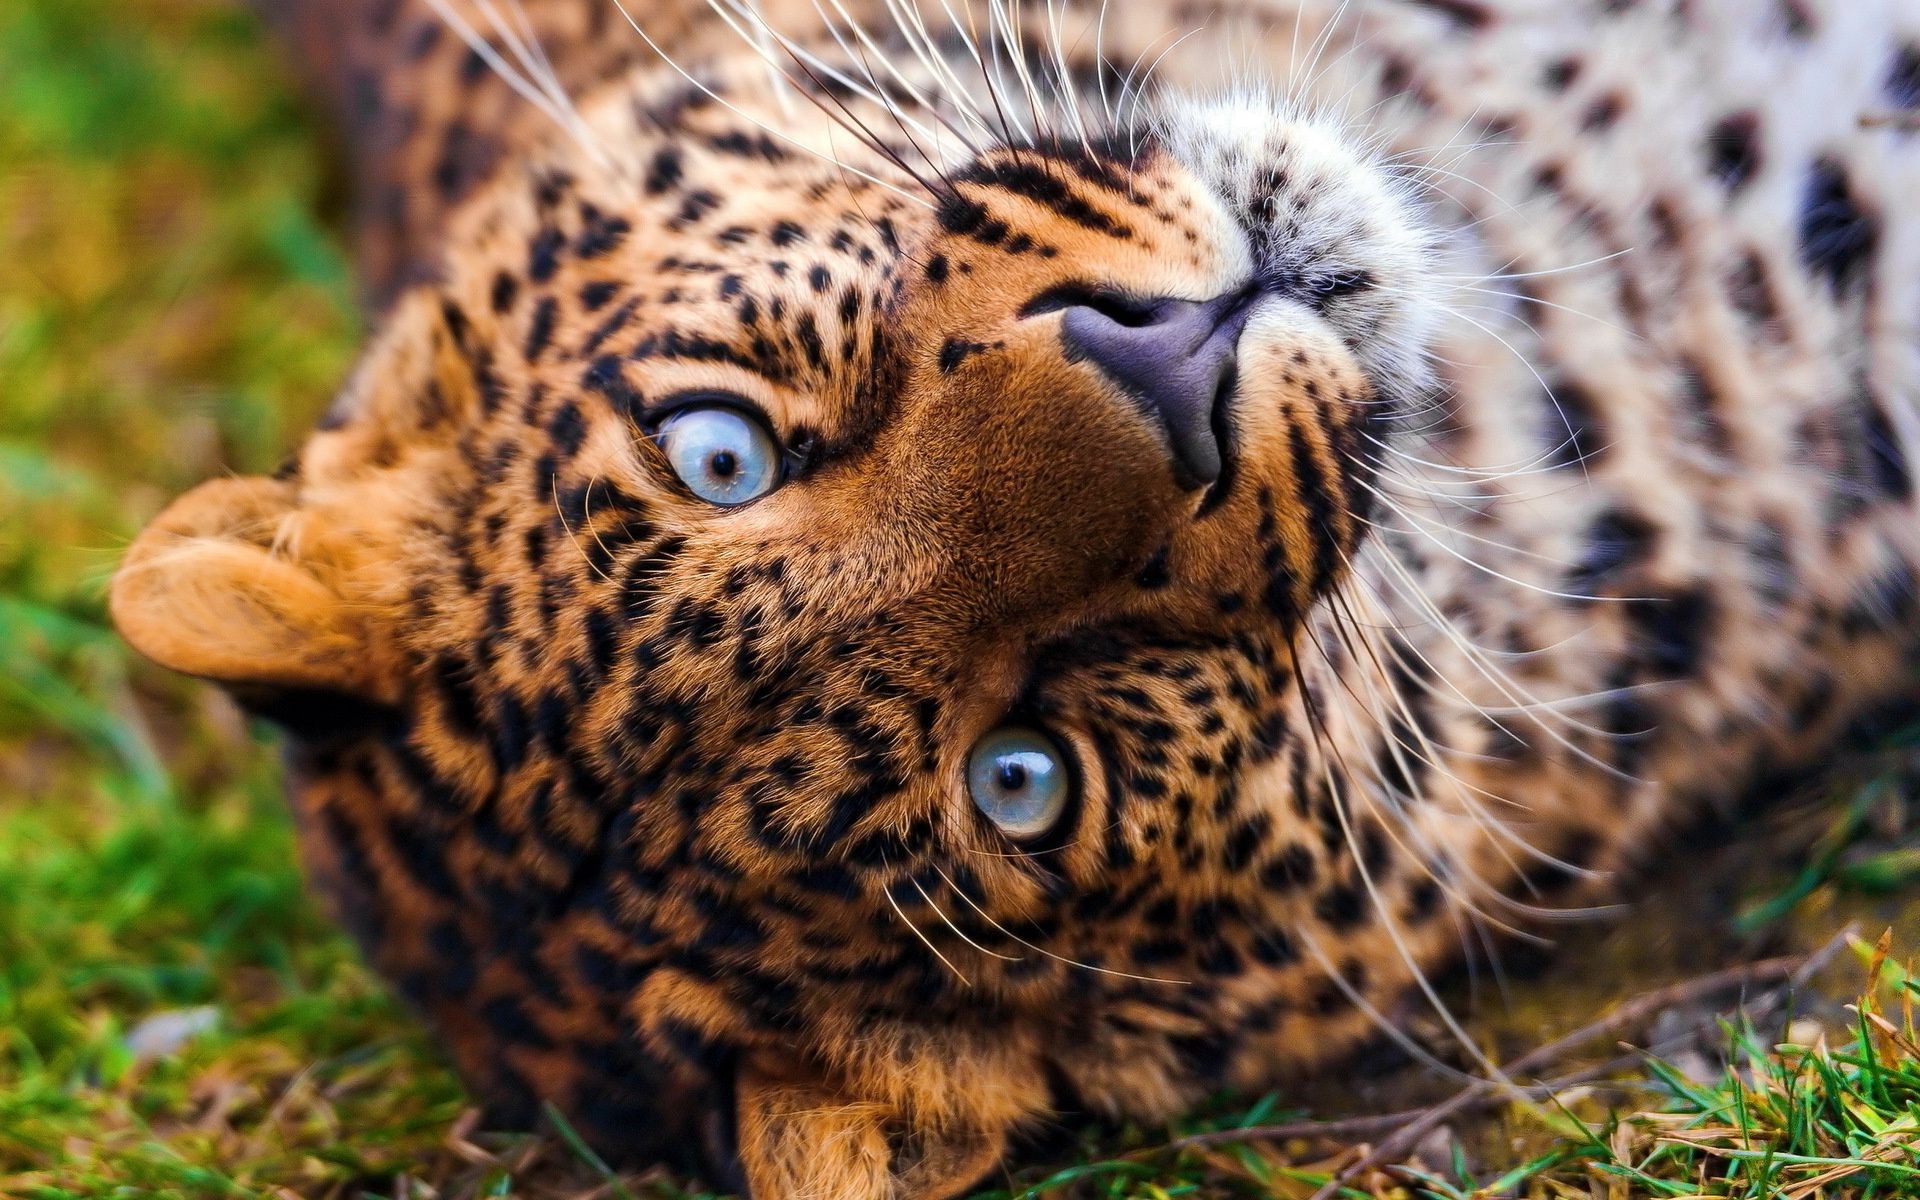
x=724 y=463
x=1013 y=774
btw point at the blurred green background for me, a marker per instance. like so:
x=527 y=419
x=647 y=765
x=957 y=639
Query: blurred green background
x=174 y=304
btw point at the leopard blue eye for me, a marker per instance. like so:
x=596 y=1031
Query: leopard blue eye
x=1018 y=777
x=724 y=456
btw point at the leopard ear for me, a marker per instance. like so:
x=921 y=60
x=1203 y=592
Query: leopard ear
x=234 y=583
x=803 y=1137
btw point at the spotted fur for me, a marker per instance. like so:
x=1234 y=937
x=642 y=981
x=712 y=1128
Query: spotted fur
x=1569 y=486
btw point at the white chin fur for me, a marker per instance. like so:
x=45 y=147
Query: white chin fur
x=1312 y=200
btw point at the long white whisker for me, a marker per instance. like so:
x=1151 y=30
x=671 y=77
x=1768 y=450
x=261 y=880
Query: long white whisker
x=1003 y=28
x=1499 y=679
x=969 y=34
x=1502 y=835
x=988 y=918
x=707 y=91
x=1101 y=66
x=523 y=43
x=843 y=118
x=1444 y=547
x=1537 y=465
x=1146 y=80
x=1350 y=630
x=912 y=24
x=1397 y=936
x=1063 y=76
x=1596 y=319
x=514 y=79
x=553 y=487
x=1579 y=266
x=926 y=941
x=1428 y=856
x=871 y=50
x=1391 y=1029
x=1531 y=370
x=928 y=897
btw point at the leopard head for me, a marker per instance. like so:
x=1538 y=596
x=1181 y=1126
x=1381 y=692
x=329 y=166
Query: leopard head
x=789 y=648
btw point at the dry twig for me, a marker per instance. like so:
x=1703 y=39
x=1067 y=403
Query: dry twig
x=1409 y=1127
x=1792 y=970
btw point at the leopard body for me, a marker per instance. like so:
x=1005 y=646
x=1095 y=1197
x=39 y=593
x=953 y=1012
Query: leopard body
x=1586 y=501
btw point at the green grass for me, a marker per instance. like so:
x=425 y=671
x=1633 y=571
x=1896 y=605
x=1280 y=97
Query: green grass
x=1781 y=1120
x=174 y=303
x=170 y=307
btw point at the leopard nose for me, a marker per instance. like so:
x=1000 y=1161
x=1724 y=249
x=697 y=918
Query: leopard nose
x=1174 y=359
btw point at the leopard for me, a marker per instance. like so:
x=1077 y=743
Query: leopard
x=885 y=573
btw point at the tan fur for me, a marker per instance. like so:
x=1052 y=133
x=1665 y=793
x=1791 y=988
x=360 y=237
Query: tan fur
x=209 y=590
x=1587 y=504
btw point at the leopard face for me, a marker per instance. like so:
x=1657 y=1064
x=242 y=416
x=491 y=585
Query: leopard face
x=791 y=657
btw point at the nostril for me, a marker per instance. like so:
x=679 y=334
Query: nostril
x=1115 y=306
x=1121 y=310
x=1174 y=358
